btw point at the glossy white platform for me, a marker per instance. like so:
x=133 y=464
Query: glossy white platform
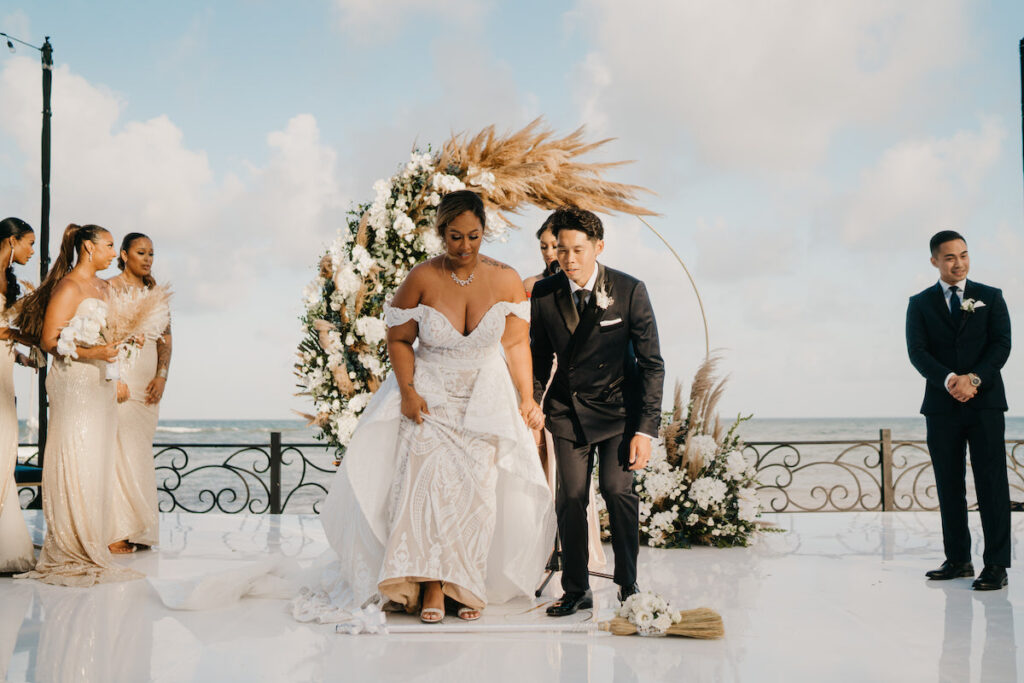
x=836 y=597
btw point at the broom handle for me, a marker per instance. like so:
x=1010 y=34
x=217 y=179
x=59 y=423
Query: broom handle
x=587 y=628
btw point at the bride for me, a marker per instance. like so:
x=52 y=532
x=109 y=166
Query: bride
x=441 y=494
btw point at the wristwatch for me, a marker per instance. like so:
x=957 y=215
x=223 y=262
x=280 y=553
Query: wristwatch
x=975 y=380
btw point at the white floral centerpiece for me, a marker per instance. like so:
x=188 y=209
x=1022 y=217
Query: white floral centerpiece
x=699 y=487
x=342 y=358
x=649 y=612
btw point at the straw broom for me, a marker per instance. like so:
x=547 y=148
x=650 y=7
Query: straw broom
x=702 y=623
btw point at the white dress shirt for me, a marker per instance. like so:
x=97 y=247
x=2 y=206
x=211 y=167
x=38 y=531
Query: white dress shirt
x=573 y=288
x=947 y=290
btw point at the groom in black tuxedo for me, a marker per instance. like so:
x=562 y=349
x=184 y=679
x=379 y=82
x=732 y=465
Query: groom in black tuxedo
x=958 y=337
x=604 y=397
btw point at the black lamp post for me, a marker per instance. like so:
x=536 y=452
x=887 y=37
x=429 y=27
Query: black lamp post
x=46 y=51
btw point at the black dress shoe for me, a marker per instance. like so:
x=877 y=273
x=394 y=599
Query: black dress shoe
x=626 y=591
x=951 y=570
x=570 y=603
x=992 y=578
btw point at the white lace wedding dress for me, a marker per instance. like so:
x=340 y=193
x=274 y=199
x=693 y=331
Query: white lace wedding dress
x=461 y=497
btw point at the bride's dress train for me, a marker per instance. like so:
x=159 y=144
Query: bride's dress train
x=460 y=498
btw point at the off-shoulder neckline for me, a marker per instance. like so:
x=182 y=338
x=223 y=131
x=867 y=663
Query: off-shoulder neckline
x=469 y=334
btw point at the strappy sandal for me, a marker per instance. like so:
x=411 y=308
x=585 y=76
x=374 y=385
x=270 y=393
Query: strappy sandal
x=463 y=611
x=427 y=615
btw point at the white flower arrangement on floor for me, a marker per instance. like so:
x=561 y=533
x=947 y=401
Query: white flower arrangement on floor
x=649 y=612
x=342 y=359
x=698 y=487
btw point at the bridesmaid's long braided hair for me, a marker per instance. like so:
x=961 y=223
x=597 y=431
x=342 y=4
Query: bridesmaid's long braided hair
x=30 y=319
x=16 y=228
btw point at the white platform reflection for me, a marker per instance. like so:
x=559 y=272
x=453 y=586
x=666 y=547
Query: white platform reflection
x=837 y=597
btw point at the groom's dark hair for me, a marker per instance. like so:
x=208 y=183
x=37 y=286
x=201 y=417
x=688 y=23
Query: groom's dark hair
x=940 y=238
x=573 y=218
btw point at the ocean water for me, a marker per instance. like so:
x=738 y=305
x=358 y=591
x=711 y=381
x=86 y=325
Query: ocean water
x=196 y=478
x=758 y=429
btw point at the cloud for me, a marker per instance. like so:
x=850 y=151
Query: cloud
x=729 y=254
x=758 y=85
x=130 y=176
x=919 y=187
x=213 y=234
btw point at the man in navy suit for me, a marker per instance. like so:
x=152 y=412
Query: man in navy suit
x=958 y=337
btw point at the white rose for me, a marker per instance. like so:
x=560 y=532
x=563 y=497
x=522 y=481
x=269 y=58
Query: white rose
x=373 y=330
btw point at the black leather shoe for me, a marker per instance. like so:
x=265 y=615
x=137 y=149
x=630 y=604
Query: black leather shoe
x=570 y=603
x=992 y=578
x=951 y=570
x=626 y=591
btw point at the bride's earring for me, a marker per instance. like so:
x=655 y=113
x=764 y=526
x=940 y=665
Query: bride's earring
x=90 y=256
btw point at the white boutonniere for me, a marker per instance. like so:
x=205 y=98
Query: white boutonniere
x=970 y=305
x=602 y=299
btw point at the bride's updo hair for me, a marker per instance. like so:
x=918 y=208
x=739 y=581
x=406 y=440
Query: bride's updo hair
x=30 y=318
x=16 y=228
x=454 y=204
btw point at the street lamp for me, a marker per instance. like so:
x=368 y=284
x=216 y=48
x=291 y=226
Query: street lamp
x=46 y=51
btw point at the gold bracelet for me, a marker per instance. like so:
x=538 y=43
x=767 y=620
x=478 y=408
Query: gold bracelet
x=162 y=372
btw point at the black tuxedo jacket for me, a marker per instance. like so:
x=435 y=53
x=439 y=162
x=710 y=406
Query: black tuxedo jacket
x=609 y=374
x=976 y=342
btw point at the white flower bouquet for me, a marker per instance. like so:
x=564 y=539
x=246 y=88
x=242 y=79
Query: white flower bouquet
x=649 y=614
x=124 y=318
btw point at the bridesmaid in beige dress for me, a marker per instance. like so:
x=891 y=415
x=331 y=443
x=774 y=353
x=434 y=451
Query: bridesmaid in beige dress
x=136 y=513
x=598 y=562
x=78 y=464
x=16 y=552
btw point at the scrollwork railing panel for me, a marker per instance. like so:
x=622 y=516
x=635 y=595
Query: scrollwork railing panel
x=816 y=480
x=794 y=476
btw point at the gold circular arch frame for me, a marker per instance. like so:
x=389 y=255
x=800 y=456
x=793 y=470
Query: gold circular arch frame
x=693 y=283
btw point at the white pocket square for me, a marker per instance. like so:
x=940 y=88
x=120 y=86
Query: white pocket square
x=606 y=323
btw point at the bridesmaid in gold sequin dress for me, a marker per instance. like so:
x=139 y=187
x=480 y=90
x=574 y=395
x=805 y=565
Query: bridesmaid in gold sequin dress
x=78 y=465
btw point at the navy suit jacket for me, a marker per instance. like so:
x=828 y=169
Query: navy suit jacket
x=977 y=342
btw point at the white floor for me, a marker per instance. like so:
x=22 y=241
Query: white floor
x=836 y=597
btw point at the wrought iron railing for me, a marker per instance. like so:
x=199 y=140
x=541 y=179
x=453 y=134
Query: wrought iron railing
x=794 y=476
x=843 y=476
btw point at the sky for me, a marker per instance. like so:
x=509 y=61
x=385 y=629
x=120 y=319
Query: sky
x=800 y=154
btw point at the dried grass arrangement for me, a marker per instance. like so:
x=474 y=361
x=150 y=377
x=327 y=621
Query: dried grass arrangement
x=137 y=312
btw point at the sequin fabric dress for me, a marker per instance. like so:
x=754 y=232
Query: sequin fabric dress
x=78 y=472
